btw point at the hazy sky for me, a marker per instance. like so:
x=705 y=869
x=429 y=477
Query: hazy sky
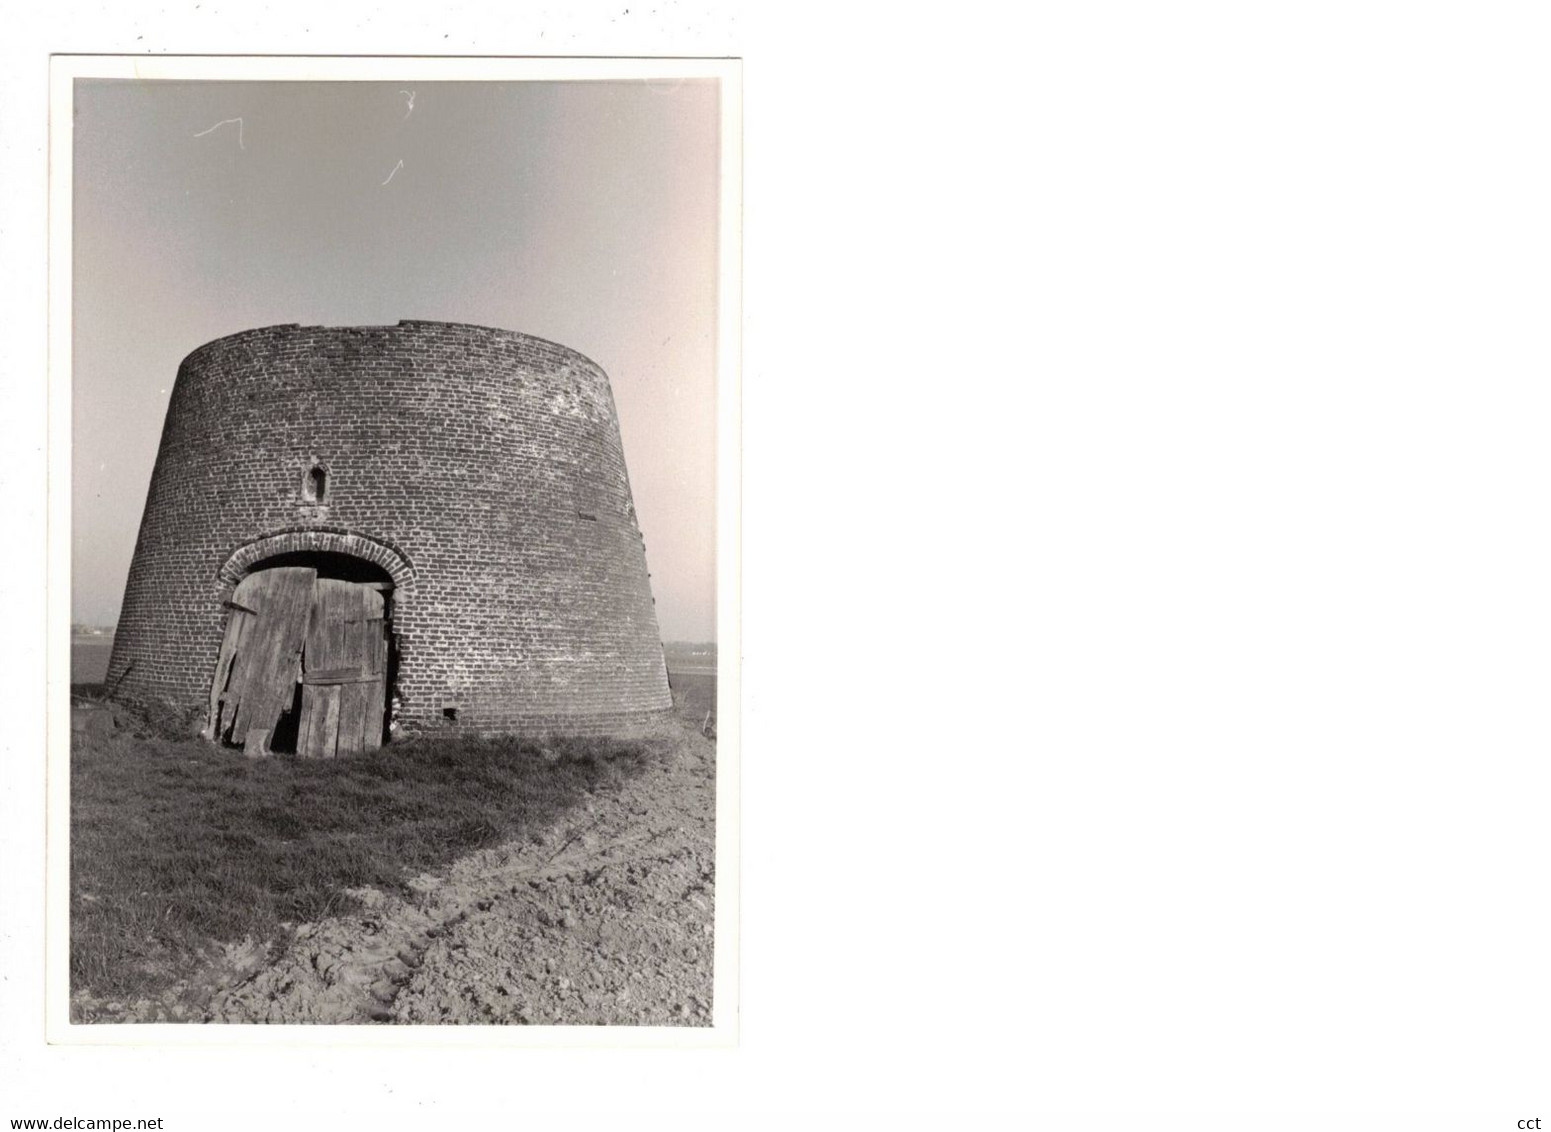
x=583 y=212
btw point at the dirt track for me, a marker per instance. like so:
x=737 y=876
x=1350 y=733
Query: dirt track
x=606 y=919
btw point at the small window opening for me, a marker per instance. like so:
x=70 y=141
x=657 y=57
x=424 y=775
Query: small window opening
x=588 y=515
x=450 y=713
x=316 y=484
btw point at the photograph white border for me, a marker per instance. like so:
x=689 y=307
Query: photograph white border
x=64 y=70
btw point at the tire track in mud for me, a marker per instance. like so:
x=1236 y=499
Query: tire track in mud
x=604 y=919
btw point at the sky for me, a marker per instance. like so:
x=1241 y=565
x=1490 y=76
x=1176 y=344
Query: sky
x=582 y=212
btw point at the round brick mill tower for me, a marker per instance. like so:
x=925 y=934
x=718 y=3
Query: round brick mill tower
x=430 y=520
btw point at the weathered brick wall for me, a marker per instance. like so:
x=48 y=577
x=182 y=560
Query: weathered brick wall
x=482 y=469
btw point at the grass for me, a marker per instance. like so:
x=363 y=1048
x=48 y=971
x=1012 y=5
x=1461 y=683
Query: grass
x=178 y=845
x=694 y=699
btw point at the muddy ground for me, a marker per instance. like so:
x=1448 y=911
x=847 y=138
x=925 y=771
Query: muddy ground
x=605 y=919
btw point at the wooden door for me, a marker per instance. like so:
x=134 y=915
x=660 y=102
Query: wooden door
x=345 y=671
x=261 y=656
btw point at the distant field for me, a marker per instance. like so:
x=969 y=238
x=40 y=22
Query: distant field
x=690 y=658
x=699 y=691
x=89 y=659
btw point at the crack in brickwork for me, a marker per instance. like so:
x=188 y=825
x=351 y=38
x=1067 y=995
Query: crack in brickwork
x=459 y=459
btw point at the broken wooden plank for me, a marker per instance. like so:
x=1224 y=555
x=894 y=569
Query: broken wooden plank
x=319 y=739
x=352 y=700
x=223 y=672
x=379 y=636
x=305 y=722
x=374 y=715
x=309 y=736
x=227 y=684
x=283 y=598
x=328 y=731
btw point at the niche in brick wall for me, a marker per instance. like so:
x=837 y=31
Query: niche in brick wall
x=315 y=484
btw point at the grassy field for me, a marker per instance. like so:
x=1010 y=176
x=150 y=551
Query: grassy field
x=178 y=845
x=694 y=694
x=89 y=658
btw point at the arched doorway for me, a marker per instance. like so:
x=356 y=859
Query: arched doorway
x=306 y=659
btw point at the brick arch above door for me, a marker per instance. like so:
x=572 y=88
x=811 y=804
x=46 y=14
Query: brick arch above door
x=380 y=553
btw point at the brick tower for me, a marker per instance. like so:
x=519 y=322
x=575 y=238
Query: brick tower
x=472 y=479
